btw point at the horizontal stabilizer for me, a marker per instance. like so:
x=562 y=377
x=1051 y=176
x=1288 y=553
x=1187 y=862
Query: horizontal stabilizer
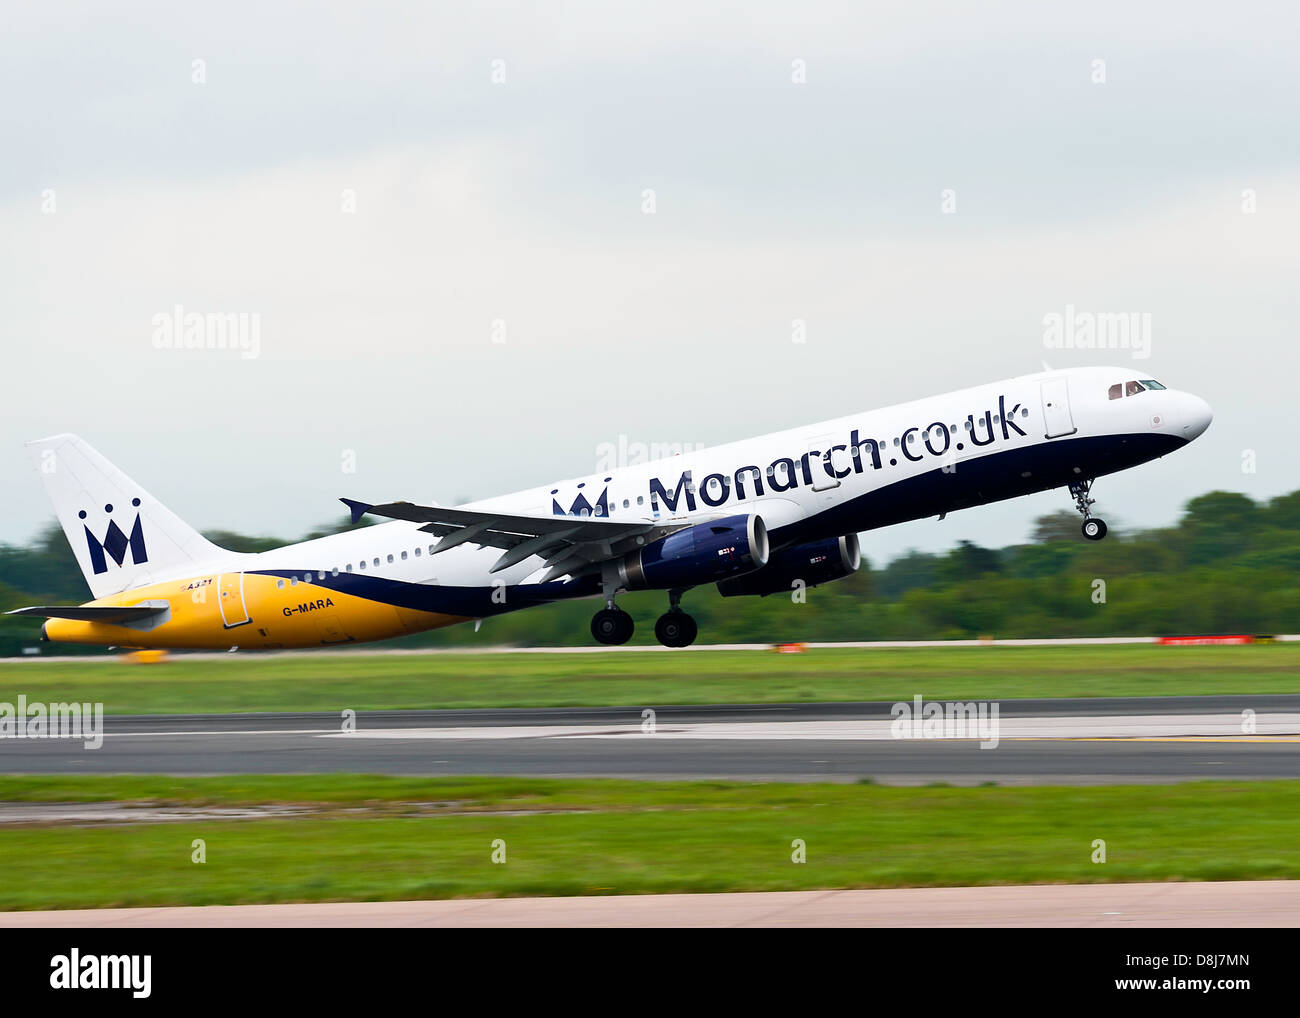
x=108 y=614
x=357 y=509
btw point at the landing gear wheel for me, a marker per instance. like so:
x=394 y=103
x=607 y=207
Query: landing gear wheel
x=612 y=626
x=676 y=629
x=1093 y=528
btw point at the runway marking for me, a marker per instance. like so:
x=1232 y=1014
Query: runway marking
x=1177 y=738
x=1275 y=728
x=1128 y=728
x=488 y=734
x=232 y=731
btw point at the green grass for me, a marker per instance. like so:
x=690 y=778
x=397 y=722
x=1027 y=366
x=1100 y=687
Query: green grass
x=364 y=681
x=620 y=837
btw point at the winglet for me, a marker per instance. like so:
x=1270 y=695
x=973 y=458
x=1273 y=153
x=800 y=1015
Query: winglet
x=357 y=509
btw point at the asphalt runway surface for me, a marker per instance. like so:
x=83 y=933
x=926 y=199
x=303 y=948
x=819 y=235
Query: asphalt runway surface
x=1242 y=904
x=1086 y=741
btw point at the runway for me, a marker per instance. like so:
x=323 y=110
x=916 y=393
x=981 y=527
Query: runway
x=1088 y=741
x=1242 y=904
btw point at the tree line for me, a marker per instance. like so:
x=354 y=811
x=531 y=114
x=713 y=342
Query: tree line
x=1229 y=564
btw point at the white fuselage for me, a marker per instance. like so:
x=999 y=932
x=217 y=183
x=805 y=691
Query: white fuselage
x=702 y=485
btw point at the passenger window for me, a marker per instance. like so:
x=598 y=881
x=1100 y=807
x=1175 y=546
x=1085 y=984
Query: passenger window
x=640 y=500
x=293 y=581
x=417 y=552
x=334 y=571
x=1116 y=391
x=376 y=563
x=390 y=560
x=362 y=565
x=279 y=584
x=431 y=549
x=1133 y=388
x=349 y=568
x=403 y=556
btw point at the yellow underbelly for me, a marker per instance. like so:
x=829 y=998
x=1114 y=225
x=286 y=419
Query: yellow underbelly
x=251 y=612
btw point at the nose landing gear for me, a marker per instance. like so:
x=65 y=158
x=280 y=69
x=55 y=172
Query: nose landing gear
x=675 y=628
x=1094 y=528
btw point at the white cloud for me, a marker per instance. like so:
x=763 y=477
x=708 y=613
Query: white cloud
x=521 y=203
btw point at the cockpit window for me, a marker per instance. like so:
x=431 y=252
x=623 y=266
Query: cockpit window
x=1151 y=383
x=1116 y=391
x=1133 y=388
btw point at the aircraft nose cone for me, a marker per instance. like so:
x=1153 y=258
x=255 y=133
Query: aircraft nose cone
x=1197 y=416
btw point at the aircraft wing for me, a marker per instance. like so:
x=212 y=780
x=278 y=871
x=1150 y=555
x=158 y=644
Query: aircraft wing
x=570 y=545
x=108 y=614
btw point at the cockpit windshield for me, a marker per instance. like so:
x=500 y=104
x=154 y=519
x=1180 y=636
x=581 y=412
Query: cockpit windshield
x=1132 y=388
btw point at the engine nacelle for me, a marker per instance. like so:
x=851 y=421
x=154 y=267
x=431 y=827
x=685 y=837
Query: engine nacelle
x=700 y=554
x=814 y=563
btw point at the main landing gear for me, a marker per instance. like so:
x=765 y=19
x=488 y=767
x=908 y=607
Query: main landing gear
x=675 y=628
x=612 y=625
x=1094 y=528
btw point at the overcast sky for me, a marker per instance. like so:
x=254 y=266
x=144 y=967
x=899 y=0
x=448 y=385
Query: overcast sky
x=439 y=217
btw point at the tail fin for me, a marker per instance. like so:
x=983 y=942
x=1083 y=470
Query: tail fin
x=121 y=535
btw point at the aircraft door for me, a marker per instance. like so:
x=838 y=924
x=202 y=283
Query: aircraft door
x=1057 y=420
x=823 y=462
x=231 y=597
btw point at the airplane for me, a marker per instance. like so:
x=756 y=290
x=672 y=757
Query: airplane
x=754 y=517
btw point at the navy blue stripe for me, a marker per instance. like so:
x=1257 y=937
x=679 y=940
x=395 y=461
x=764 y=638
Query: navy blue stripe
x=473 y=602
x=974 y=482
